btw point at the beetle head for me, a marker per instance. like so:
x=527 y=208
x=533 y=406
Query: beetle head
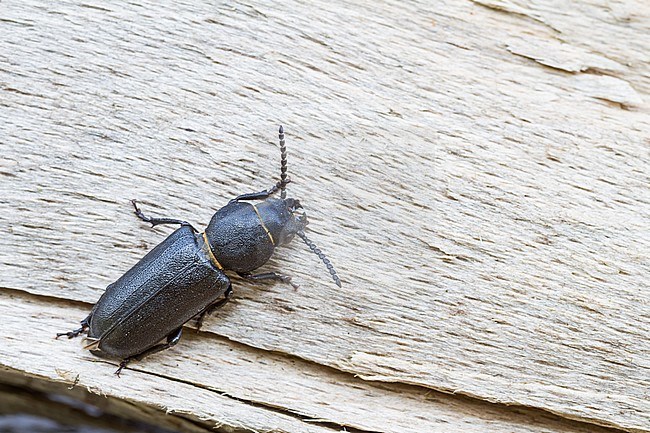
x=294 y=222
x=296 y=226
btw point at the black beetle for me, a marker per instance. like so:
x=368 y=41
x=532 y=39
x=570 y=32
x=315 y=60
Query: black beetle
x=183 y=278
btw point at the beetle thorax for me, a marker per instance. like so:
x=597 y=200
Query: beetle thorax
x=243 y=235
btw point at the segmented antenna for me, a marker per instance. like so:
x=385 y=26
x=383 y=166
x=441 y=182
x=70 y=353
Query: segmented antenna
x=321 y=256
x=283 y=167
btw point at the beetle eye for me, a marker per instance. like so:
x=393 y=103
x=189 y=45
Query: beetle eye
x=294 y=205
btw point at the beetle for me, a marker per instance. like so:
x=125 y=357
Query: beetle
x=184 y=277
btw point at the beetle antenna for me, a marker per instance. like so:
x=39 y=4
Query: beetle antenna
x=283 y=166
x=312 y=246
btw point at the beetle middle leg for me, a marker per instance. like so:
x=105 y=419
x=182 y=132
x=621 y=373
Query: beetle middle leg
x=156 y=221
x=212 y=307
x=85 y=324
x=172 y=340
x=268 y=276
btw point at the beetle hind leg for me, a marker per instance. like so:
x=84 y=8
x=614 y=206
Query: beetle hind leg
x=172 y=340
x=85 y=324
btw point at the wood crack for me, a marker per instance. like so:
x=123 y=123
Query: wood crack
x=290 y=359
x=260 y=404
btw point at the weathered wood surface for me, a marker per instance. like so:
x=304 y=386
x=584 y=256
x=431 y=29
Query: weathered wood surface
x=215 y=382
x=477 y=171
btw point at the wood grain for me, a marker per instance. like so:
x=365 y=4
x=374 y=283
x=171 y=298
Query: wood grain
x=207 y=381
x=483 y=194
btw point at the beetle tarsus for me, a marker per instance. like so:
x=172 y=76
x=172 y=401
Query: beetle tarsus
x=85 y=324
x=122 y=366
x=71 y=334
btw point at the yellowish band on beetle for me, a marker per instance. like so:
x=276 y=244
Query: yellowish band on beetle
x=213 y=259
x=268 y=233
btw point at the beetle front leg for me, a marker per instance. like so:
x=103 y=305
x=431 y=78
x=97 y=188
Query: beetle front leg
x=85 y=324
x=156 y=221
x=263 y=194
x=172 y=340
x=268 y=276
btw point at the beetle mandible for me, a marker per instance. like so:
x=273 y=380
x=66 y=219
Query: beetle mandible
x=183 y=277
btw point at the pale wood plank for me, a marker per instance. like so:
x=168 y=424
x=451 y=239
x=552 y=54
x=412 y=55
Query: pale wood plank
x=489 y=215
x=207 y=381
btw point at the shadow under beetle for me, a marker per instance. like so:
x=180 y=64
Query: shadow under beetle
x=183 y=278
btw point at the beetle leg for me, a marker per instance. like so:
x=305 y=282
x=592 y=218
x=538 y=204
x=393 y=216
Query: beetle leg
x=156 y=221
x=268 y=276
x=263 y=194
x=214 y=306
x=85 y=324
x=172 y=340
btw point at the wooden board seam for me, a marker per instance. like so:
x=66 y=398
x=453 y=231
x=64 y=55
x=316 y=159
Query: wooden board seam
x=280 y=410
